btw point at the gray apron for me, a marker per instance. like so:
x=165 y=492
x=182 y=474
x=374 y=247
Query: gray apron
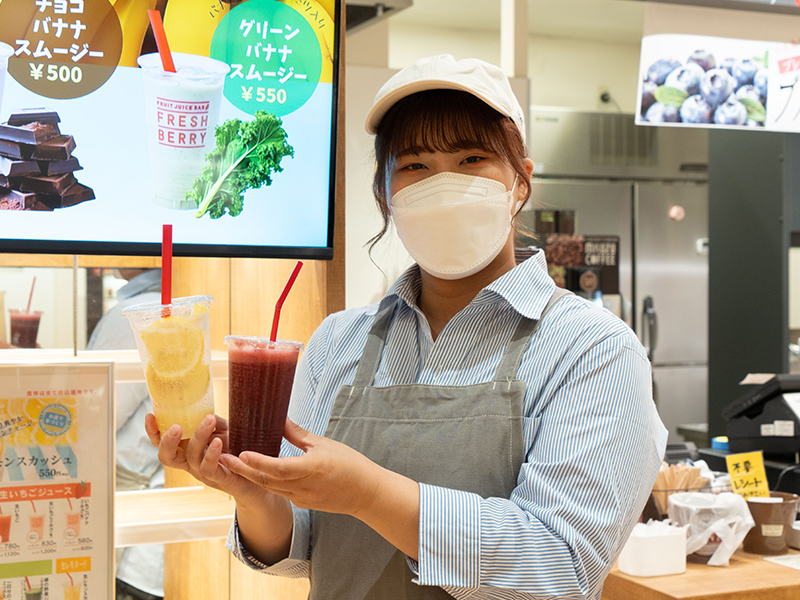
x=459 y=437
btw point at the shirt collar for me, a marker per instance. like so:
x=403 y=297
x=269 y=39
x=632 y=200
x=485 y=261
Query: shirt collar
x=149 y=281
x=527 y=287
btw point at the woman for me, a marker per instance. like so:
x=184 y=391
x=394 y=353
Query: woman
x=477 y=433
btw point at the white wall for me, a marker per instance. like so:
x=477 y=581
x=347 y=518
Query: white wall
x=564 y=72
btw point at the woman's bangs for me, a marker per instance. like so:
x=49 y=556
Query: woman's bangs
x=443 y=121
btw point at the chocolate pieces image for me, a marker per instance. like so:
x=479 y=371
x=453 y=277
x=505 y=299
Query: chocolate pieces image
x=30 y=115
x=57 y=148
x=36 y=163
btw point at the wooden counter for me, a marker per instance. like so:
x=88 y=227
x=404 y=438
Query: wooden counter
x=749 y=577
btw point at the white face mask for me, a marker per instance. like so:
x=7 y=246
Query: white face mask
x=453 y=225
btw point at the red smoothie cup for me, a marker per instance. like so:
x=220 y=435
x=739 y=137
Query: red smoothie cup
x=24 y=327
x=260 y=378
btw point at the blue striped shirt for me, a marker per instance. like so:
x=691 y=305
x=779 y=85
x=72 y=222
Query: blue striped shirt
x=593 y=439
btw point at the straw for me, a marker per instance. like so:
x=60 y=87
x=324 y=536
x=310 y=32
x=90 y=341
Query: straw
x=33 y=505
x=28 y=582
x=69 y=502
x=70 y=579
x=166 y=269
x=30 y=296
x=276 y=317
x=161 y=40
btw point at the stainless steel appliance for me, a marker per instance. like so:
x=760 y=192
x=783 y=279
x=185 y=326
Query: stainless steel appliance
x=648 y=186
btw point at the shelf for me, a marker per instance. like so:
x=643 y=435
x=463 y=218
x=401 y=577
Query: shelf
x=167 y=515
x=127 y=366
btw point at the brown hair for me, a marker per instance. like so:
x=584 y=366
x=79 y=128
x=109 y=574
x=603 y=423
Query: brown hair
x=444 y=121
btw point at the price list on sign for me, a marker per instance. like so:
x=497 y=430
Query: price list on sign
x=56 y=487
x=62 y=48
x=274 y=53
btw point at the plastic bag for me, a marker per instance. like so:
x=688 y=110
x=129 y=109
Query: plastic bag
x=717 y=523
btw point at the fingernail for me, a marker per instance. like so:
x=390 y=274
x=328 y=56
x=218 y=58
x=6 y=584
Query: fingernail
x=208 y=420
x=172 y=431
x=244 y=457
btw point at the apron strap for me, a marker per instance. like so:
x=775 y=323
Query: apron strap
x=509 y=365
x=368 y=365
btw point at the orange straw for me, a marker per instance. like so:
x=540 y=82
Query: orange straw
x=28 y=582
x=276 y=317
x=161 y=40
x=30 y=296
x=166 y=269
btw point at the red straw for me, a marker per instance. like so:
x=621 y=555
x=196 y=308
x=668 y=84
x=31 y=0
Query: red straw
x=70 y=579
x=166 y=268
x=276 y=317
x=28 y=582
x=30 y=296
x=161 y=40
x=70 y=503
x=33 y=505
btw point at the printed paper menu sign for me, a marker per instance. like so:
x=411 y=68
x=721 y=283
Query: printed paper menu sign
x=714 y=82
x=99 y=144
x=56 y=486
x=748 y=476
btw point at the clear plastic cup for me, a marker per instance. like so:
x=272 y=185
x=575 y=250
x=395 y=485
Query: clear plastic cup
x=260 y=379
x=174 y=345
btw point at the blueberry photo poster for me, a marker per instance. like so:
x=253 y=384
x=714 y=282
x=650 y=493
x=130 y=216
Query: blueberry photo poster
x=714 y=82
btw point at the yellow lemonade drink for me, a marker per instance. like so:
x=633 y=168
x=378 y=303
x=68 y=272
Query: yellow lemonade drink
x=72 y=591
x=175 y=348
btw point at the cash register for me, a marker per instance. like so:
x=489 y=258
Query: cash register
x=766 y=418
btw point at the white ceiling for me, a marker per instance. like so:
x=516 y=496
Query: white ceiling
x=606 y=20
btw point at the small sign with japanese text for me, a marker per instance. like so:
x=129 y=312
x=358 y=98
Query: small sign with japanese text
x=56 y=480
x=748 y=476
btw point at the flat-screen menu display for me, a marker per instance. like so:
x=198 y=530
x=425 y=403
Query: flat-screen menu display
x=102 y=142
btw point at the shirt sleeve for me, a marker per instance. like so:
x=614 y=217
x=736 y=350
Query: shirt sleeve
x=295 y=565
x=593 y=444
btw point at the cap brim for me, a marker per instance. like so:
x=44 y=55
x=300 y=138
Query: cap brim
x=382 y=106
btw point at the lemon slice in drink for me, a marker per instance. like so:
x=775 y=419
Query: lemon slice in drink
x=175 y=346
x=178 y=391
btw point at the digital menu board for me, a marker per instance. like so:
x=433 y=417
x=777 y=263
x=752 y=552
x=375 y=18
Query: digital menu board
x=101 y=144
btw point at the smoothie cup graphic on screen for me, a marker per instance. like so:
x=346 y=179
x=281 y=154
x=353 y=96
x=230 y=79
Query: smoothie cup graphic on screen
x=174 y=346
x=182 y=110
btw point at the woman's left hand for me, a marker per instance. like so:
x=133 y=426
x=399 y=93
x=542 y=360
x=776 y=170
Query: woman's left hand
x=329 y=476
x=332 y=477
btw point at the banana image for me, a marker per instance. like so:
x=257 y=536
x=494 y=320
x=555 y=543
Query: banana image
x=133 y=20
x=320 y=19
x=190 y=24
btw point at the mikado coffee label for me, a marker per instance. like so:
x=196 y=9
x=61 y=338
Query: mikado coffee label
x=62 y=48
x=274 y=54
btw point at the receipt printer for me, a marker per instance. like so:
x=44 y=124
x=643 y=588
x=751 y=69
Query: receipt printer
x=766 y=418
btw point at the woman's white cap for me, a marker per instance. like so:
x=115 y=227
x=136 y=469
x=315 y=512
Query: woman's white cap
x=443 y=72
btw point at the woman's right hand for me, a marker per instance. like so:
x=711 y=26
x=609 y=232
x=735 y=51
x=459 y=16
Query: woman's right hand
x=203 y=456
